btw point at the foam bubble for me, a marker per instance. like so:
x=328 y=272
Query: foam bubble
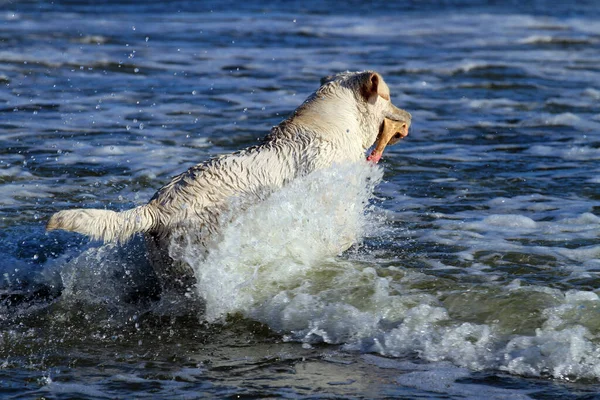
x=583 y=153
x=510 y=221
x=563 y=119
x=567 y=353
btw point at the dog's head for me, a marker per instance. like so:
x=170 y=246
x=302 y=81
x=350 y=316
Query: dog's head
x=381 y=121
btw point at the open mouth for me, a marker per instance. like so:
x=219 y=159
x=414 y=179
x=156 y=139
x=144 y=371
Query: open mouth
x=390 y=133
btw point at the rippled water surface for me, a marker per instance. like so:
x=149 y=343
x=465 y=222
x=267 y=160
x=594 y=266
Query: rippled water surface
x=476 y=268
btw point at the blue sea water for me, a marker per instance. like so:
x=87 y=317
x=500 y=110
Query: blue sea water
x=476 y=270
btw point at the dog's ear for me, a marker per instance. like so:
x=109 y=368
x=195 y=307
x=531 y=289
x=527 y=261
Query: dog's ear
x=373 y=86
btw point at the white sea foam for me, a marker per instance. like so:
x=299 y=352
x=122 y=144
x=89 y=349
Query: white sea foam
x=278 y=263
x=12 y=192
x=593 y=93
x=583 y=153
x=564 y=119
x=93 y=39
x=536 y=39
x=519 y=222
x=74 y=389
x=561 y=347
x=506 y=105
x=15 y=171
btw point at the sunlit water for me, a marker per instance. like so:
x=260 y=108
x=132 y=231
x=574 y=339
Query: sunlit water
x=475 y=268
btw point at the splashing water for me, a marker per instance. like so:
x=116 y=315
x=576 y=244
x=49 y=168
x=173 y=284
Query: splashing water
x=279 y=263
x=281 y=243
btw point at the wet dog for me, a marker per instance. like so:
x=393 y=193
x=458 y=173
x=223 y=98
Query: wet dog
x=347 y=115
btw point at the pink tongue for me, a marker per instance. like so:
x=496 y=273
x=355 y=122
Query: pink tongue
x=374 y=157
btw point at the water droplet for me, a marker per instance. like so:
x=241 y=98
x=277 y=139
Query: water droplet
x=194 y=92
x=136 y=70
x=141 y=126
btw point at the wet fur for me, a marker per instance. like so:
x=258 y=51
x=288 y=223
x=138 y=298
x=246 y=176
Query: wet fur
x=336 y=124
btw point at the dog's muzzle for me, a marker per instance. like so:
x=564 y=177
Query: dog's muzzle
x=395 y=127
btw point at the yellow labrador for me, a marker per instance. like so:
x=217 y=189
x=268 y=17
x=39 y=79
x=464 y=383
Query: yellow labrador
x=337 y=123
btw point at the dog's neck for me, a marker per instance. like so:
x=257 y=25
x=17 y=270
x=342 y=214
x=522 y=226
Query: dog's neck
x=341 y=121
